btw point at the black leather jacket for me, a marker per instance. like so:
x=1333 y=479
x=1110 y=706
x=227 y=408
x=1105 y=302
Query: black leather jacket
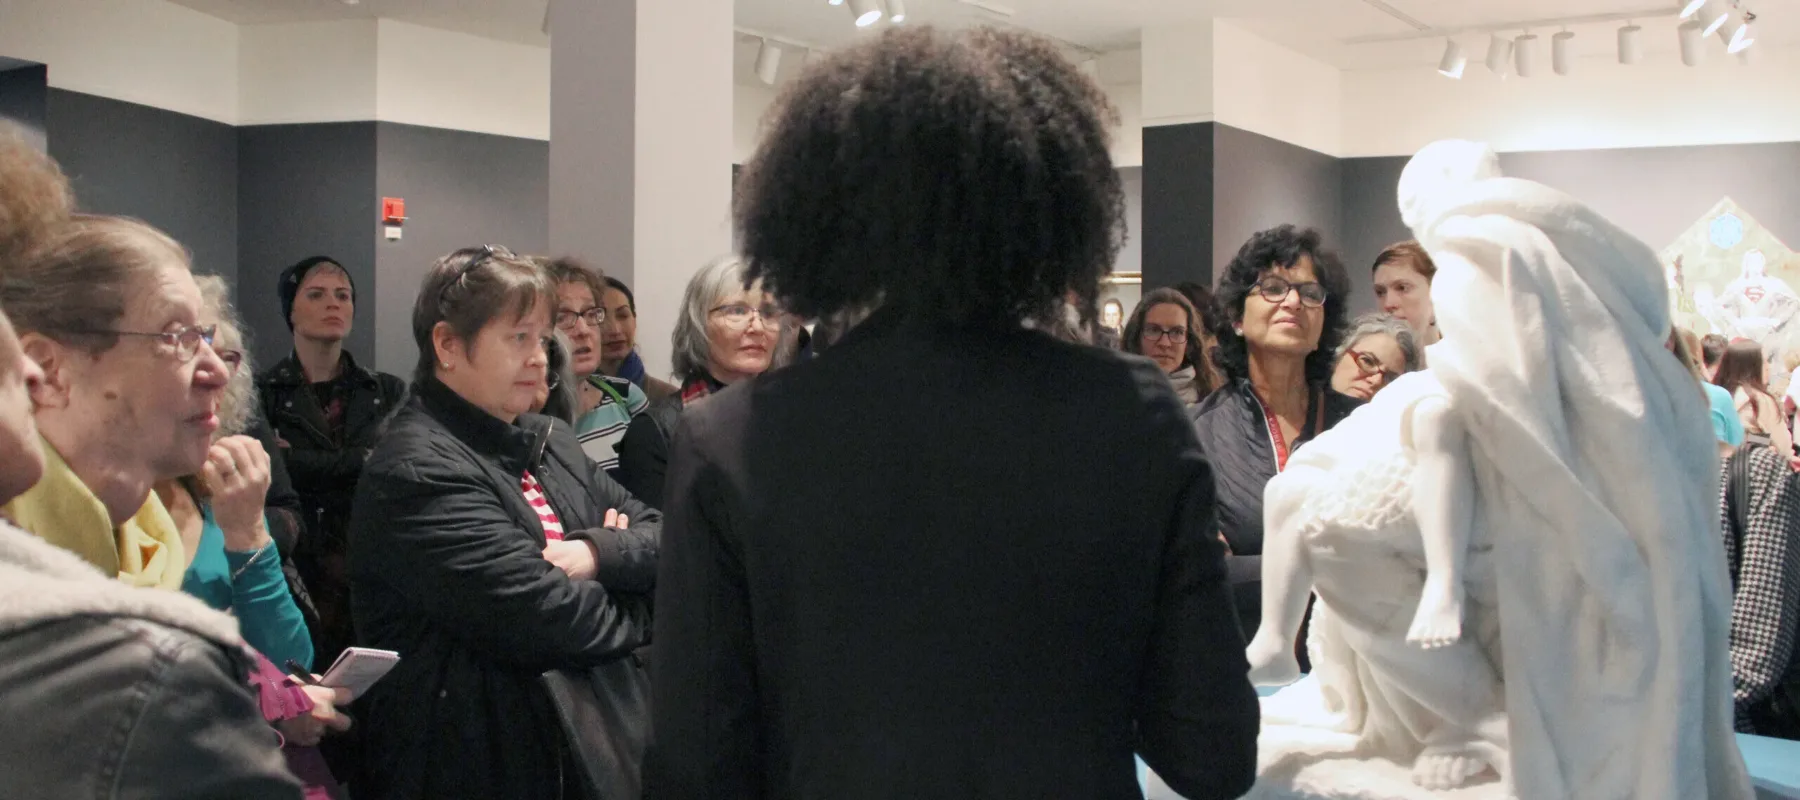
x=324 y=472
x=112 y=692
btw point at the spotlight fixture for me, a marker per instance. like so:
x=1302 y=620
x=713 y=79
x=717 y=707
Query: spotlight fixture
x=1744 y=37
x=1561 y=60
x=1690 y=33
x=896 y=10
x=1692 y=8
x=1452 y=64
x=835 y=2
x=866 y=12
x=1525 y=54
x=1631 y=44
x=768 y=62
x=1718 y=12
x=1499 y=53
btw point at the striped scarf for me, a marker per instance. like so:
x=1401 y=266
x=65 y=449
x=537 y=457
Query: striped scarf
x=534 y=494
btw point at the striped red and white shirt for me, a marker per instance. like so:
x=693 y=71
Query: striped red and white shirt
x=534 y=494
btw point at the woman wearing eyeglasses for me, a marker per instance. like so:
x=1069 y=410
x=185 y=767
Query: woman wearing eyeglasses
x=235 y=564
x=1166 y=329
x=605 y=405
x=1282 y=310
x=1378 y=349
x=726 y=334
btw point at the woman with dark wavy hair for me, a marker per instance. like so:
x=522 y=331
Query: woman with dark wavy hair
x=885 y=555
x=1282 y=304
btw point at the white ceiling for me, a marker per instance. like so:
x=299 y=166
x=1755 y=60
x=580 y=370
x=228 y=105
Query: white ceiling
x=1319 y=28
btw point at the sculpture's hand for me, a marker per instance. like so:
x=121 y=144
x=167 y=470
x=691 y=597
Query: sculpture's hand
x=1438 y=622
x=1272 y=661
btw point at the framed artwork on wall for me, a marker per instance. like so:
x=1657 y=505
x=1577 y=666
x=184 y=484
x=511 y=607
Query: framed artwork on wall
x=1731 y=276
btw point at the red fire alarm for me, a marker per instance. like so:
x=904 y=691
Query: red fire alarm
x=393 y=210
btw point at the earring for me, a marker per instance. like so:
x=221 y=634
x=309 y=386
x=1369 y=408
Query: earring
x=444 y=364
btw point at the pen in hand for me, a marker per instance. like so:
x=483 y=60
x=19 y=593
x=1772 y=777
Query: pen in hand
x=300 y=673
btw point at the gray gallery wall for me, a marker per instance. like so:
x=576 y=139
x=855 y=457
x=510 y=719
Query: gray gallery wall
x=24 y=99
x=176 y=172
x=1259 y=183
x=1177 y=211
x=461 y=190
x=1207 y=188
x=306 y=190
x=1655 y=193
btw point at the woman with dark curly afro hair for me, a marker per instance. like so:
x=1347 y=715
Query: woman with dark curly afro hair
x=953 y=555
x=1282 y=303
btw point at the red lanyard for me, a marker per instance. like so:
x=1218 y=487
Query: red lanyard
x=1276 y=440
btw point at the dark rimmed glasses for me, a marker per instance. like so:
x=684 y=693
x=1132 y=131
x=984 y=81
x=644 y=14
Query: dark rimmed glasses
x=1370 y=365
x=1154 y=333
x=1275 y=288
x=594 y=317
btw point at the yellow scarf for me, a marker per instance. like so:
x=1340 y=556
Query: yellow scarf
x=145 y=551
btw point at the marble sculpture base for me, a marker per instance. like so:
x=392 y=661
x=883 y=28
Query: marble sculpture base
x=1298 y=762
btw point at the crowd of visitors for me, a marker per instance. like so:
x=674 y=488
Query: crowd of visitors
x=843 y=548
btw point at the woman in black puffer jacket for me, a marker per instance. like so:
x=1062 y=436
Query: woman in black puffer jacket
x=1282 y=308
x=488 y=549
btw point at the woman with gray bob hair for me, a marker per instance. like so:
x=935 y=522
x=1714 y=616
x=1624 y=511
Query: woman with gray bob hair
x=727 y=333
x=1377 y=349
x=701 y=350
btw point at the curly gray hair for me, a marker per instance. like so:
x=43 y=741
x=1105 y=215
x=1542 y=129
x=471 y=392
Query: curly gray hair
x=240 y=392
x=716 y=281
x=1370 y=324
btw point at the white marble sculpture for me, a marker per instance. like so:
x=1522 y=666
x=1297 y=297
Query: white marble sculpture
x=1520 y=582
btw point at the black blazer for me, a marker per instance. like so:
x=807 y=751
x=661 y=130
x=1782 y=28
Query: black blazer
x=447 y=568
x=945 y=563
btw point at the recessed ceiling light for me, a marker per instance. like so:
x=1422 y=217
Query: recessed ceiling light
x=896 y=10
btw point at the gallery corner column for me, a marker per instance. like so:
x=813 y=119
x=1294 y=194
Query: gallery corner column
x=1178 y=155
x=641 y=147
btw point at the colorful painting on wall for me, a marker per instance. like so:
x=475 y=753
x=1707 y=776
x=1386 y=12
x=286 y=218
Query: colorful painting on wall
x=1730 y=275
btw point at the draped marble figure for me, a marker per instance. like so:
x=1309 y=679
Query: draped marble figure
x=1515 y=552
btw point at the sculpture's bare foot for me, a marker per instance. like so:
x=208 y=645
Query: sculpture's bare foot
x=1444 y=767
x=1438 y=621
x=1272 y=661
